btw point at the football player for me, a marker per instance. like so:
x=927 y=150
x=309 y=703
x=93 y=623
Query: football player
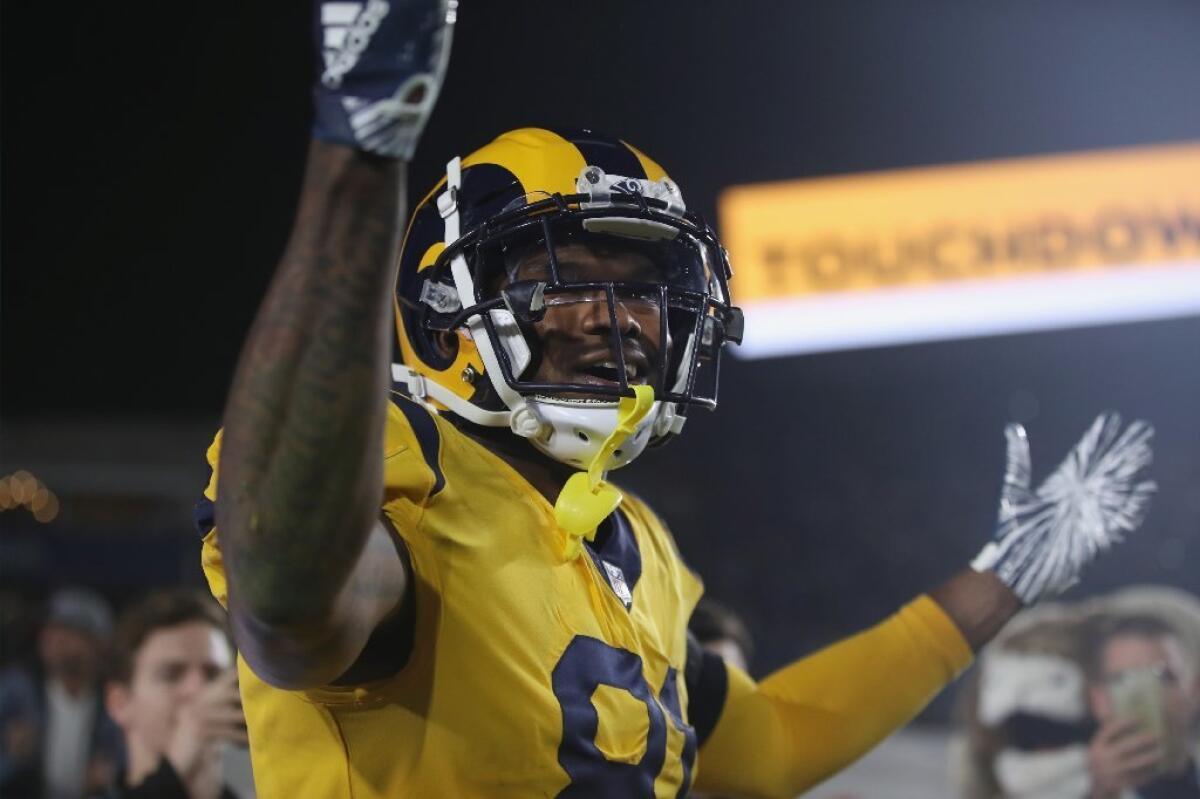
x=434 y=587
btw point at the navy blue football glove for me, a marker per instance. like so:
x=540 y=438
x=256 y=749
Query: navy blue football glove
x=382 y=63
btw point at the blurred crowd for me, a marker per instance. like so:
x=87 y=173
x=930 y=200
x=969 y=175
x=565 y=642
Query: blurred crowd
x=1099 y=699
x=1096 y=700
x=143 y=706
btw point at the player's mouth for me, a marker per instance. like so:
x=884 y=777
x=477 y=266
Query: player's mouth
x=606 y=371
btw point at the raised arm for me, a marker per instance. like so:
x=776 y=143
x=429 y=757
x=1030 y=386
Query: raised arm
x=814 y=717
x=311 y=569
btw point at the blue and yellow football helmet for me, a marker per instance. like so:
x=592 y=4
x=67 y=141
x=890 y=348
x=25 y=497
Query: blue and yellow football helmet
x=468 y=304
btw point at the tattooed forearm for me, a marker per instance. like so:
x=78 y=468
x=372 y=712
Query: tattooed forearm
x=301 y=463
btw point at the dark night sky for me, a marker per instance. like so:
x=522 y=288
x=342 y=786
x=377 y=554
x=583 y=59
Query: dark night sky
x=150 y=166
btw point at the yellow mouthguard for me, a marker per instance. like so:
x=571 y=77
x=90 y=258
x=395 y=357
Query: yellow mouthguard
x=586 y=499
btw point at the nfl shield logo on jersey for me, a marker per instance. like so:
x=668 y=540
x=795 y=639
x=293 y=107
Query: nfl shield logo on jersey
x=616 y=578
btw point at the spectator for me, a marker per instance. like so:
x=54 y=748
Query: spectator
x=1028 y=715
x=56 y=740
x=1125 y=759
x=174 y=693
x=720 y=630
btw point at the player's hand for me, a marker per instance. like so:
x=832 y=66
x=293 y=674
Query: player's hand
x=1044 y=538
x=1122 y=756
x=381 y=67
x=213 y=716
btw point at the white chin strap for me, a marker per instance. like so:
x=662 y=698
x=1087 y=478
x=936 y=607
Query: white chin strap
x=578 y=428
x=570 y=431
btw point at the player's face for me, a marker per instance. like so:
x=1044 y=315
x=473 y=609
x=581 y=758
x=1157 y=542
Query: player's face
x=1180 y=680
x=576 y=332
x=171 y=668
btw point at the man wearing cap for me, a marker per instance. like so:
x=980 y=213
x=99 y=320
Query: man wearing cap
x=56 y=740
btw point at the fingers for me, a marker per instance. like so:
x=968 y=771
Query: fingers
x=1130 y=753
x=224 y=722
x=1140 y=767
x=225 y=715
x=231 y=731
x=229 y=694
x=225 y=681
x=227 y=676
x=1118 y=462
x=223 y=689
x=1123 y=456
x=1112 y=772
x=1015 y=494
x=221 y=716
x=1016 y=472
x=1100 y=435
x=1106 y=449
x=239 y=737
x=1136 y=744
x=1116 y=728
x=217 y=711
x=391 y=77
x=1138 y=435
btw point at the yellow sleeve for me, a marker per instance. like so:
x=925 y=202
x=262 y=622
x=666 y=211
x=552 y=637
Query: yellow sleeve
x=206 y=517
x=814 y=717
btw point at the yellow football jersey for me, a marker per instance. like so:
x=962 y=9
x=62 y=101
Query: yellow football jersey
x=529 y=675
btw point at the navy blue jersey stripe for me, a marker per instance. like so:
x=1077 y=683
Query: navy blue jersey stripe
x=204 y=512
x=609 y=154
x=204 y=516
x=670 y=699
x=616 y=543
x=425 y=429
x=708 y=685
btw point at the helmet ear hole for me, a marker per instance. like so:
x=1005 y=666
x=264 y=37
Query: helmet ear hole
x=582 y=435
x=446 y=343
